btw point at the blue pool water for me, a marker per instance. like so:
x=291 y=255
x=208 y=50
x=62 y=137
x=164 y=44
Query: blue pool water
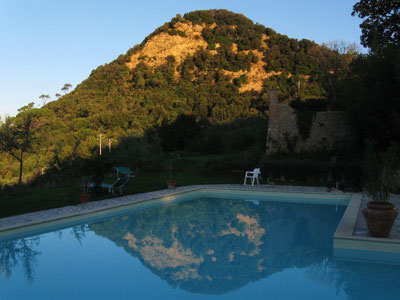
x=205 y=248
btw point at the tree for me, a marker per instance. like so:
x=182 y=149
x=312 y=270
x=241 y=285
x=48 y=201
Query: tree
x=375 y=78
x=44 y=98
x=336 y=66
x=22 y=251
x=381 y=27
x=374 y=99
x=58 y=95
x=17 y=135
x=66 y=87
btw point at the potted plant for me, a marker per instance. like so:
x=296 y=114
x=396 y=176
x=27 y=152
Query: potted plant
x=171 y=183
x=379 y=174
x=84 y=196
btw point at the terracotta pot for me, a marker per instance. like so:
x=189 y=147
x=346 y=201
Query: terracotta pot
x=379 y=218
x=84 y=198
x=171 y=184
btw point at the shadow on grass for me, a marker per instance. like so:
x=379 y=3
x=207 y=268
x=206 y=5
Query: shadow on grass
x=40 y=198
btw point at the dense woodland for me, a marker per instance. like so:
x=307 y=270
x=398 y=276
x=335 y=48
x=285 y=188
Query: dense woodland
x=148 y=115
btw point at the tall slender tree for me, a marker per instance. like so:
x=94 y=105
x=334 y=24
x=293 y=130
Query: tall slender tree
x=66 y=87
x=44 y=99
x=17 y=135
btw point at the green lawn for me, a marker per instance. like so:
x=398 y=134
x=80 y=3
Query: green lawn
x=35 y=199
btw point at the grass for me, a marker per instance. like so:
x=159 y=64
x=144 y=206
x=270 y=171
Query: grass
x=28 y=200
x=24 y=200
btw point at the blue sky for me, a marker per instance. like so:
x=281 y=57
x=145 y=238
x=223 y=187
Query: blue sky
x=47 y=43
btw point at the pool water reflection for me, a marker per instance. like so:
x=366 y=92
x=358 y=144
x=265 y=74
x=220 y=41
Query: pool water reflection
x=204 y=248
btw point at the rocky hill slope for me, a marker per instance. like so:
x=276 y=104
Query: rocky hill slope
x=214 y=64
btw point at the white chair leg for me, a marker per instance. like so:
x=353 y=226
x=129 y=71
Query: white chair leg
x=252 y=181
x=257 y=181
x=244 y=183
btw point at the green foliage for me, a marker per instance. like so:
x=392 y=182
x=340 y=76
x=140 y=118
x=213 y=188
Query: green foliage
x=310 y=105
x=240 y=80
x=177 y=135
x=307 y=70
x=238 y=136
x=373 y=85
x=373 y=97
x=18 y=135
x=177 y=32
x=379 y=172
x=313 y=170
x=295 y=57
x=140 y=152
x=190 y=107
x=232 y=28
x=304 y=121
x=381 y=25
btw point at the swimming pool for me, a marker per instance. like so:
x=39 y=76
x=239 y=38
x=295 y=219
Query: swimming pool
x=196 y=246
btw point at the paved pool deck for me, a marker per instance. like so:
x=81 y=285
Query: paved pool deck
x=352 y=232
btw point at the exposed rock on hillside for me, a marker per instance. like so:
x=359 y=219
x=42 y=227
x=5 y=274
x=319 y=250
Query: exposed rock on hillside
x=157 y=48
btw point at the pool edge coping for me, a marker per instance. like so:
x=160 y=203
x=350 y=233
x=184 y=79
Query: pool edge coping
x=70 y=211
x=343 y=238
x=65 y=212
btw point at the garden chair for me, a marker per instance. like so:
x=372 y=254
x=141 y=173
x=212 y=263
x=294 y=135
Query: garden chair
x=119 y=183
x=253 y=175
x=123 y=176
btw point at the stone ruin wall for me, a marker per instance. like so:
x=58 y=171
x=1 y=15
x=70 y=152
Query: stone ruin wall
x=329 y=131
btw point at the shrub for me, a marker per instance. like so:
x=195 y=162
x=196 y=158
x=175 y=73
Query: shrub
x=311 y=170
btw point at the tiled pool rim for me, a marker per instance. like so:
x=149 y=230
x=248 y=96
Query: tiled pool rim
x=345 y=242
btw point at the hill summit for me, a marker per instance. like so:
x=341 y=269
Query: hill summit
x=214 y=64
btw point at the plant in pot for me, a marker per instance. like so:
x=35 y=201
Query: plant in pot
x=171 y=183
x=379 y=175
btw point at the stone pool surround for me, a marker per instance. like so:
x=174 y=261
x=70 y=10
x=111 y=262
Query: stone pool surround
x=350 y=234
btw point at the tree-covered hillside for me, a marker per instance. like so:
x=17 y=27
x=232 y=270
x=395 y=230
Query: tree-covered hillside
x=214 y=66
x=205 y=83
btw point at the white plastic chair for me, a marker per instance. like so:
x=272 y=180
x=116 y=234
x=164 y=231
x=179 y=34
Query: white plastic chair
x=253 y=175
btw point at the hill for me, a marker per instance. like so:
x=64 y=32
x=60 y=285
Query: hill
x=211 y=67
x=215 y=64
